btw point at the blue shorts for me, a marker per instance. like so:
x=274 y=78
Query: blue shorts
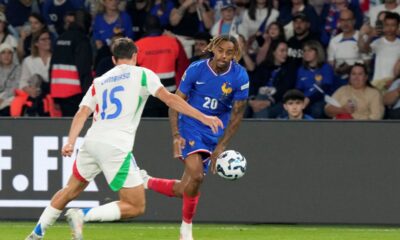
x=198 y=142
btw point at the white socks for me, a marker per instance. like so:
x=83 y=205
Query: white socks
x=186 y=231
x=104 y=213
x=48 y=217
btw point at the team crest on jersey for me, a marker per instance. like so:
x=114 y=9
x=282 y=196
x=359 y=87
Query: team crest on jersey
x=191 y=143
x=318 y=77
x=226 y=89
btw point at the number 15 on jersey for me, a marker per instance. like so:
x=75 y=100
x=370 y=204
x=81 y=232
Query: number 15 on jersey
x=110 y=96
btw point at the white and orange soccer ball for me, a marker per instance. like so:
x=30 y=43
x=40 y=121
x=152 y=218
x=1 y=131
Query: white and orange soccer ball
x=231 y=165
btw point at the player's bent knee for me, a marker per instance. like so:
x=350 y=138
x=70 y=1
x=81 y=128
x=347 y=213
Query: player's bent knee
x=197 y=178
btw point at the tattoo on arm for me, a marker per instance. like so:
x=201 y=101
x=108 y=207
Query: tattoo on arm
x=236 y=117
x=173 y=121
x=173 y=116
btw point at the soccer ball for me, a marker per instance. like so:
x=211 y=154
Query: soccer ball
x=231 y=165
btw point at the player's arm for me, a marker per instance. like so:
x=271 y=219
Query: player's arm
x=236 y=117
x=178 y=141
x=173 y=115
x=76 y=127
x=179 y=104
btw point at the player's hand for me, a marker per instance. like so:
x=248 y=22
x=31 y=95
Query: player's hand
x=218 y=150
x=213 y=122
x=67 y=150
x=178 y=144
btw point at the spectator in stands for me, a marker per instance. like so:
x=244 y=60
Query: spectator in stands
x=36 y=24
x=318 y=5
x=10 y=74
x=228 y=23
x=54 y=12
x=163 y=55
x=274 y=32
x=5 y=36
x=71 y=65
x=330 y=18
x=162 y=9
x=110 y=21
x=35 y=73
x=343 y=49
x=385 y=48
x=388 y=6
x=191 y=17
x=103 y=60
x=18 y=11
x=257 y=18
x=37 y=64
x=272 y=79
x=187 y=19
x=287 y=13
x=378 y=28
x=201 y=40
x=302 y=34
x=69 y=18
x=293 y=102
x=138 y=10
x=391 y=99
x=246 y=60
x=357 y=100
x=242 y=7
x=315 y=72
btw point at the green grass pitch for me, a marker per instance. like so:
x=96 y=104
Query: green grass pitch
x=167 y=231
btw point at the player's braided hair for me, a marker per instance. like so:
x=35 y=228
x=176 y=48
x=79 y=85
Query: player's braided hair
x=216 y=41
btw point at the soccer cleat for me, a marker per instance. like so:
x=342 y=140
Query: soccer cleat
x=33 y=236
x=75 y=221
x=145 y=177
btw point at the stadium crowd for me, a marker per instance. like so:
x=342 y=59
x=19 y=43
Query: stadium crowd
x=52 y=49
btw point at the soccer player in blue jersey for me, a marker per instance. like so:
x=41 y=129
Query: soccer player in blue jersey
x=217 y=86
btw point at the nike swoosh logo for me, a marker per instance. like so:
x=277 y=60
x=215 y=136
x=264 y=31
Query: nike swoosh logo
x=200 y=83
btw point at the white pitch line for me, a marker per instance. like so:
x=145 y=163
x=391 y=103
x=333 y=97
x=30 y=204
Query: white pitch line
x=16 y=203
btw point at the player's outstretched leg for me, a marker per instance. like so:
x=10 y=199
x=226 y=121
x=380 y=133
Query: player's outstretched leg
x=48 y=217
x=58 y=203
x=131 y=204
x=160 y=185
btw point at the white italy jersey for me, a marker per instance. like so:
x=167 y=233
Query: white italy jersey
x=117 y=99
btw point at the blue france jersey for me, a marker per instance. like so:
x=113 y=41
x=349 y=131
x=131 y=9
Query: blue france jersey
x=211 y=93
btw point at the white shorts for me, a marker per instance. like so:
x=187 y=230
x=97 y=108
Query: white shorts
x=119 y=167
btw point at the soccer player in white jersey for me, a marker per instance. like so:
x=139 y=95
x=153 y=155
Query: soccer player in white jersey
x=116 y=100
